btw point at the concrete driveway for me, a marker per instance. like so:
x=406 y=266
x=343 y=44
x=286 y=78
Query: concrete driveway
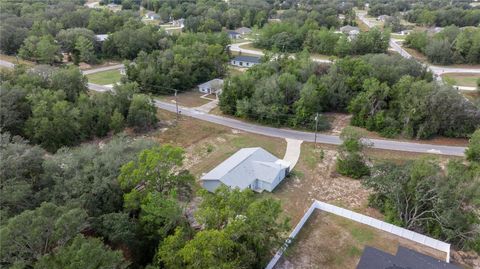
x=292 y=153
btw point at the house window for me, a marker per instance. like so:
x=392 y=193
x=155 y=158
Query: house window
x=241 y=63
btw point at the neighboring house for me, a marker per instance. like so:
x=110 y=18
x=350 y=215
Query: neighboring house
x=213 y=86
x=351 y=31
x=405 y=32
x=245 y=61
x=248 y=168
x=234 y=34
x=243 y=31
x=178 y=23
x=434 y=30
x=152 y=16
x=383 y=18
x=405 y=258
x=101 y=38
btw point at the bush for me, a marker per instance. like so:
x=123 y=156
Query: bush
x=142 y=113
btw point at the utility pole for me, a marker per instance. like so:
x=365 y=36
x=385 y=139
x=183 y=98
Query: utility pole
x=176 y=103
x=316 y=128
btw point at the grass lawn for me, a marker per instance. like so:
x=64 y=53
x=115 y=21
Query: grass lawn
x=397 y=36
x=235 y=71
x=462 y=79
x=105 y=77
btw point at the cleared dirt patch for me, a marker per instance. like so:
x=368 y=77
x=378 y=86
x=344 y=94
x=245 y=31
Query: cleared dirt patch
x=187 y=99
x=314 y=177
x=332 y=242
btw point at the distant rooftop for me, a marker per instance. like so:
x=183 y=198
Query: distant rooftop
x=101 y=37
x=211 y=82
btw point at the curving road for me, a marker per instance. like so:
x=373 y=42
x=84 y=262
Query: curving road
x=101 y=69
x=287 y=133
x=309 y=136
x=236 y=47
x=436 y=70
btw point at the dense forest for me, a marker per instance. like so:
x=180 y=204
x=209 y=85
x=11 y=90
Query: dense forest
x=451 y=45
x=291 y=37
x=440 y=13
x=41 y=31
x=110 y=203
x=51 y=107
x=194 y=58
x=388 y=94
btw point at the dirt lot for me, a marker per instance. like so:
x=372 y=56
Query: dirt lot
x=332 y=242
x=187 y=99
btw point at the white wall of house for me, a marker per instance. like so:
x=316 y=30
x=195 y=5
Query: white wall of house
x=204 y=89
x=211 y=185
x=242 y=63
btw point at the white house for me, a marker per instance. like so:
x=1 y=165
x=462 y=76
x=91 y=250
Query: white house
x=234 y=34
x=245 y=61
x=252 y=168
x=351 y=31
x=178 y=23
x=152 y=16
x=243 y=31
x=213 y=86
x=101 y=38
x=383 y=18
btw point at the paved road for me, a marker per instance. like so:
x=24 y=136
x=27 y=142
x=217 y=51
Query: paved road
x=437 y=70
x=236 y=47
x=286 y=133
x=308 y=136
x=98 y=88
x=299 y=135
x=6 y=64
x=101 y=69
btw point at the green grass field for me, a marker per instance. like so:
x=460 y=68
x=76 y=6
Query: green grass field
x=462 y=79
x=105 y=77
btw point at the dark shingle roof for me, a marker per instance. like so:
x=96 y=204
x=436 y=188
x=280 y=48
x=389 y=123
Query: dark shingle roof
x=250 y=59
x=405 y=258
x=411 y=258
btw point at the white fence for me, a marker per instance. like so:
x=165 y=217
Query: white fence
x=372 y=222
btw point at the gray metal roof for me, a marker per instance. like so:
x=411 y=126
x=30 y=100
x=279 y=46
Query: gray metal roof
x=243 y=30
x=209 y=83
x=245 y=166
x=249 y=59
